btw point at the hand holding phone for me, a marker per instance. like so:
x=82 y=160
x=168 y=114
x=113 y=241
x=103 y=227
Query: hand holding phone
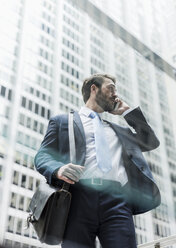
x=119 y=107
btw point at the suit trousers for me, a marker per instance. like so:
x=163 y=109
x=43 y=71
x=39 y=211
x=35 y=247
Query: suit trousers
x=99 y=211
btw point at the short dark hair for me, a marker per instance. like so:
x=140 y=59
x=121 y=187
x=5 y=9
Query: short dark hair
x=98 y=80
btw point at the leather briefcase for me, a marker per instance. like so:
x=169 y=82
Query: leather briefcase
x=49 y=209
x=50 y=205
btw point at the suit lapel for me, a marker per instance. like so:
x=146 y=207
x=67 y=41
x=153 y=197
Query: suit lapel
x=78 y=122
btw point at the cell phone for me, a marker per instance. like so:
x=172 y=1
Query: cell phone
x=116 y=105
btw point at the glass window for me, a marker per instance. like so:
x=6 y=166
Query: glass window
x=28 y=122
x=10 y=95
x=31 y=90
x=36 y=108
x=41 y=128
x=43 y=112
x=8 y=243
x=27 y=140
x=21 y=202
x=21 y=119
x=33 y=143
x=13 y=200
x=25 y=159
x=10 y=227
x=43 y=96
x=25 y=246
x=17 y=157
x=23 y=103
x=31 y=163
x=7 y=112
x=3 y=90
x=5 y=130
x=30 y=186
x=23 y=181
x=37 y=183
x=30 y=105
x=19 y=227
x=27 y=204
x=0 y=172
x=37 y=93
x=15 y=177
x=35 y=125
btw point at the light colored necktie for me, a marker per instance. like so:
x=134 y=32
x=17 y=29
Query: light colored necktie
x=101 y=145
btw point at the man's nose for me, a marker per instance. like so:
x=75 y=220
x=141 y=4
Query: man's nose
x=114 y=94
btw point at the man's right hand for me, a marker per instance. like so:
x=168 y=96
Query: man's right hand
x=70 y=173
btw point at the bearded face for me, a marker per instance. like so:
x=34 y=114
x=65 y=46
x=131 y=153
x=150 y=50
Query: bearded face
x=105 y=100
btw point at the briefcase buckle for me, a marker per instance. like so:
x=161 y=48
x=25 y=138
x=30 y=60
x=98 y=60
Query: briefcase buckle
x=97 y=181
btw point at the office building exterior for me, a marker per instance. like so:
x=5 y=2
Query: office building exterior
x=47 y=48
x=171 y=54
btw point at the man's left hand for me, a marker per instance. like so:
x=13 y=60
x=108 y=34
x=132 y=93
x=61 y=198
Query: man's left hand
x=120 y=107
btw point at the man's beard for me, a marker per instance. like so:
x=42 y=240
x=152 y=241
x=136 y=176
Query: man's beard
x=107 y=104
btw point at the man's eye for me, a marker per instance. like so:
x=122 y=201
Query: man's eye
x=112 y=89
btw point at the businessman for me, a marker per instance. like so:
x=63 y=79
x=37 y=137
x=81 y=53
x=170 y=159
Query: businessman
x=110 y=180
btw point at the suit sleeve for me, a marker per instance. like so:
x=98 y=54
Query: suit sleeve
x=144 y=136
x=47 y=159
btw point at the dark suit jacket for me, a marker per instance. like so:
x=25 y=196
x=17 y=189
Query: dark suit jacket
x=141 y=191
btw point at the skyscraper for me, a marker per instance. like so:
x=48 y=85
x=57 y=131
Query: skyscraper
x=47 y=48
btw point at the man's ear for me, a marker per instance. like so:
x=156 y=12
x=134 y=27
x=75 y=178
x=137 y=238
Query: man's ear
x=93 y=88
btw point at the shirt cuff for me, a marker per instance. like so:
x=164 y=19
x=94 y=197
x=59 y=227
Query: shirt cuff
x=128 y=111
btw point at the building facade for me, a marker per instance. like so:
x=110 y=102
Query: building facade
x=47 y=48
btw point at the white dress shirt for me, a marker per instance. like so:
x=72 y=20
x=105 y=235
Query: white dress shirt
x=118 y=172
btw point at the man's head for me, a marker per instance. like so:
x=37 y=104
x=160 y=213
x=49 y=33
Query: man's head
x=100 y=89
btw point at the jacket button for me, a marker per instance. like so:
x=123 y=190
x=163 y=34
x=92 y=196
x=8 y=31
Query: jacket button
x=142 y=168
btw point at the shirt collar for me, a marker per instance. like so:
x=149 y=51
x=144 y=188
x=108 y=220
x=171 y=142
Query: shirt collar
x=86 y=111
